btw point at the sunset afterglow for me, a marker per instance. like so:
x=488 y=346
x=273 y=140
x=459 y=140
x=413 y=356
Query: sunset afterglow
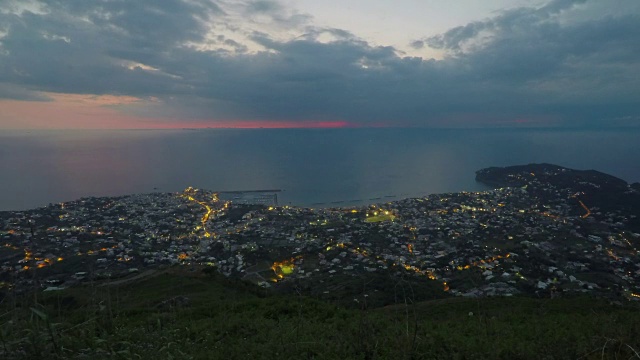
x=309 y=64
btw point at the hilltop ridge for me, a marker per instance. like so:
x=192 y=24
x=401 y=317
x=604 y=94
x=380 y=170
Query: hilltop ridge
x=553 y=174
x=604 y=191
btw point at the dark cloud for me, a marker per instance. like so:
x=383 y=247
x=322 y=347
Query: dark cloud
x=101 y=38
x=264 y=6
x=537 y=63
x=507 y=23
x=417 y=44
x=275 y=11
x=13 y=92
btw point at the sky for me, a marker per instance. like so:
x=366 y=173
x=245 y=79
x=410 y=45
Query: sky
x=94 y=64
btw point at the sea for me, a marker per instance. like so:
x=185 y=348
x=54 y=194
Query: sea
x=312 y=167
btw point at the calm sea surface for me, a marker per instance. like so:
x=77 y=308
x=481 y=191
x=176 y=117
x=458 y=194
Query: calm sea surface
x=311 y=166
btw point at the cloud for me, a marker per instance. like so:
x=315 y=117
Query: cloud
x=417 y=44
x=568 y=63
x=510 y=22
x=13 y=92
x=264 y=6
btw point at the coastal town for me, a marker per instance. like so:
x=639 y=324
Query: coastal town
x=544 y=231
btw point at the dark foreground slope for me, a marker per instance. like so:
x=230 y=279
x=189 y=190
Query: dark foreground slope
x=184 y=313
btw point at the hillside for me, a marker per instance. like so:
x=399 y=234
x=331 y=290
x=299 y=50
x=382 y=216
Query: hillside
x=606 y=192
x=187 y=314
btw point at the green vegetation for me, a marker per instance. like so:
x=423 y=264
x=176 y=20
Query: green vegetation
x=380 y=218
x=186 y=313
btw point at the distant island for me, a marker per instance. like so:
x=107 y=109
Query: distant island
x=545 y=231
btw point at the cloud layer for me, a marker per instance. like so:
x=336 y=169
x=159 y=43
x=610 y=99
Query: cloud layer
x=567 y=63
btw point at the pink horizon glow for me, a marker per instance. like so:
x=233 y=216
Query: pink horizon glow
x=78 y=111
x=88 y=111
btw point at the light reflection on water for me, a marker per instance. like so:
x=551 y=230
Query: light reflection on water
x=310 y=165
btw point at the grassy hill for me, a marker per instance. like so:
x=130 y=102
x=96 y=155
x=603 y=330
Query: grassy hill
x=182 y=313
